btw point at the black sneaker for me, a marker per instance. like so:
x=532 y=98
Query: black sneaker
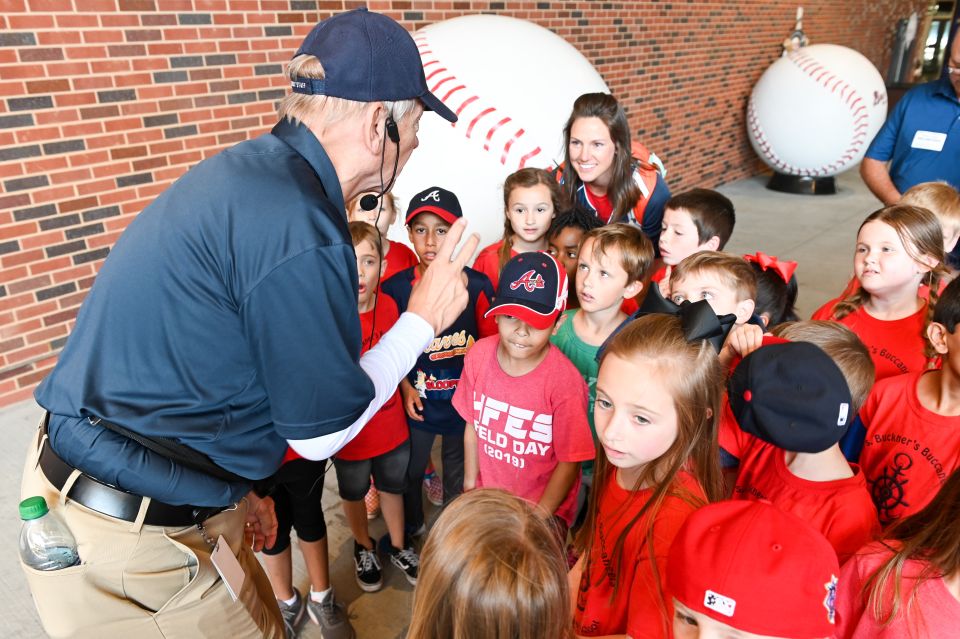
x=406 y=559
x=369 y=575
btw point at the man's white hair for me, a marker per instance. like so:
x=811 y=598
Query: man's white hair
x=323 y=109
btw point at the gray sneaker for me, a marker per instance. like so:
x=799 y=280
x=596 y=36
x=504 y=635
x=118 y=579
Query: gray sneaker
x=292 y=614
x=331 y=617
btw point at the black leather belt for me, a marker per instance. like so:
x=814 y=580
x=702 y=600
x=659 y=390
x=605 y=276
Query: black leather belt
x=114 y=502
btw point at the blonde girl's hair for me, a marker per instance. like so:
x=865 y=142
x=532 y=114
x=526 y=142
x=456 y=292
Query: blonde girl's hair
x=389 y=201
x=939 y=198
x=922 y=236
x=491 y=569
x=693 y=375
x=930 y=536
x=524 y=178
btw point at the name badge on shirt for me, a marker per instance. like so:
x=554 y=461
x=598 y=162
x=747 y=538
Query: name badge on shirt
x=928 y=140
x=228 y=566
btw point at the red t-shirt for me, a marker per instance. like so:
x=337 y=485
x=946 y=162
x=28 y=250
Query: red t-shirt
x=602 y=204
x=636 y=609
x=399 y=258
x=896 y=346
x=840 y=509
x=388 y=428
x=525 y=425
x=488 y=262
x=908 y=451
x=934 y=615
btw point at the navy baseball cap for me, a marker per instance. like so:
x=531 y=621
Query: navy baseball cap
x=791 y=395
x=367 y=57
x=532 y=288
x=436 y=200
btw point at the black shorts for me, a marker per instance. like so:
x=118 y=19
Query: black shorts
x=389 y=472
x=297 y=503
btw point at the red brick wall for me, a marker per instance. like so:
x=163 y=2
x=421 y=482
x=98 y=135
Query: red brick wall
x=103 y=103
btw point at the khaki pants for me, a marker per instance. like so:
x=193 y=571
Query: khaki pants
x=146 y=581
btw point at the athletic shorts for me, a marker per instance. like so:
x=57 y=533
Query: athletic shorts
x=389 y=472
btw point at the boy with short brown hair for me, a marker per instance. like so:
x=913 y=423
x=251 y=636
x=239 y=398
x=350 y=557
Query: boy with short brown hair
x=726 y=281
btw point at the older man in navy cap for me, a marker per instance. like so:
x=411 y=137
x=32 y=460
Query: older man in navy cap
x=222 y=328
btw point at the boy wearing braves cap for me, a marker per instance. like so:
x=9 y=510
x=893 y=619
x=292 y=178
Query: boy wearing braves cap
x=748 y=570
x=792 y=404
x=428 y=388
x=525 y=402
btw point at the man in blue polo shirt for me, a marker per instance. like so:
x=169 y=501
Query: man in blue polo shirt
x=222 y=328
x=920 y=139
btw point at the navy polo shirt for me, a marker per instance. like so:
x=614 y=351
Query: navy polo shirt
x=932 y=108
x=225 y=317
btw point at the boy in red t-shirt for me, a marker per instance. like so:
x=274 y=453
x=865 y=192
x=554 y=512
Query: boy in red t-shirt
x=751 y=571
x=792 y=403
x=382 y=448
x=525 y=401
x=912 y=424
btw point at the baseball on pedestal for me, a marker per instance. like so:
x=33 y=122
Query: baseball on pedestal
x=512 y=83
x=814 y=112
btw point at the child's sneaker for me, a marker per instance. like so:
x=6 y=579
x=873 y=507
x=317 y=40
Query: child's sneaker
x=331 y=618
x=434 y=488
x=292 y=614
x=369 y=571
x=372 y=502
x=406 y=559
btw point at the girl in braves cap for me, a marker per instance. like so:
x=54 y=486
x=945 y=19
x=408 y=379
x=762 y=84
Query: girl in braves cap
x=658 y=397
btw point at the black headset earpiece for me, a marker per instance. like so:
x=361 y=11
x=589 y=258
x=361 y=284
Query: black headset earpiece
x=392 y=131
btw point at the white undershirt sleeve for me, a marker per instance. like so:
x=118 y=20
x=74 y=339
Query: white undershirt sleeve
x=385 y=364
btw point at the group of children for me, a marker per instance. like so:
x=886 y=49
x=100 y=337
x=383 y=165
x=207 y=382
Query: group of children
x=706 y=480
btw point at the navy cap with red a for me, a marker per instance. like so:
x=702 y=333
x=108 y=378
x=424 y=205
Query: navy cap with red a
x=532 y=288
x=436 y=200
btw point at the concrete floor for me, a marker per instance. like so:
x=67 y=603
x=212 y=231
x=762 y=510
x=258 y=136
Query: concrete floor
x=816 y=231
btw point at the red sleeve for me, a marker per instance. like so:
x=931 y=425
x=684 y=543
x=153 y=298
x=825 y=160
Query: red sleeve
x=488 y=263
x=463 y=397
x=855 y=527
x=485 y=325
x=572 y=440
x=645 y=617
x=825 y=312
x=729 y=431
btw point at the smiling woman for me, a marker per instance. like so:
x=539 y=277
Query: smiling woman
x=619 y=180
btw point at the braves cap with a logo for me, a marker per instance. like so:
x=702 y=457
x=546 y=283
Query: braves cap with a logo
x=367 y=57
x=791 y=395
x=435 y=200
x=753 y=567
x=532 y=288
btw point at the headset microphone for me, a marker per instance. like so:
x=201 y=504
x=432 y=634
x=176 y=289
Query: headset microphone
x=369 y=201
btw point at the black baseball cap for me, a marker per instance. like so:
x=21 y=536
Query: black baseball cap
x=436 y=200
x=532 y=288
x=791 y=395
x=367 y=57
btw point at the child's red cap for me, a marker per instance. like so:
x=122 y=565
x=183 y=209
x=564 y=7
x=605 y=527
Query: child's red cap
x=755 y=568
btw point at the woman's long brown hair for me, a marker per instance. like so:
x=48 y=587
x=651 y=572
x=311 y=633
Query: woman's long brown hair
x=623 y=191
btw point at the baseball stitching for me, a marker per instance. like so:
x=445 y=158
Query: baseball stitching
x=487 y=121
x=848 y=96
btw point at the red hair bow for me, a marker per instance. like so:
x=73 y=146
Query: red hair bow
x=767 y=262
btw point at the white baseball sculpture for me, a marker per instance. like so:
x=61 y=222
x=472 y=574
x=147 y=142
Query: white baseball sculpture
x=512 y=83
x=814 y=111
